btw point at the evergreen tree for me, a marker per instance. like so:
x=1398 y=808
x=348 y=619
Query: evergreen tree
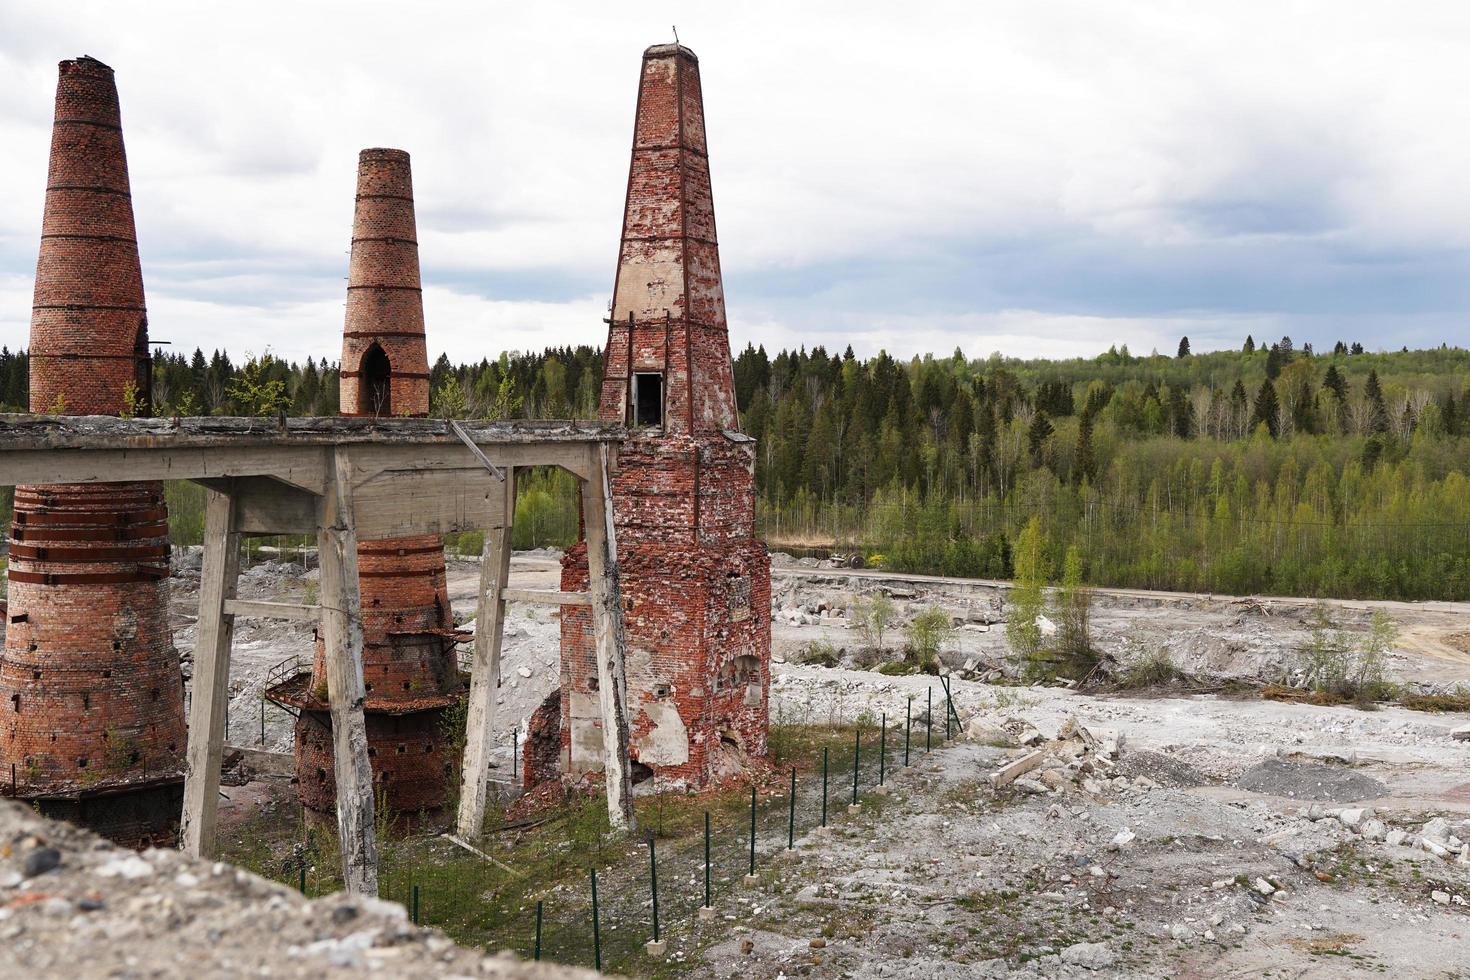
x=1377 y=409
x=1275 y=360
x=1183 y=347
x=1250 y=345
x=1265 y=409
x=1084 y=463
x=1037 y=434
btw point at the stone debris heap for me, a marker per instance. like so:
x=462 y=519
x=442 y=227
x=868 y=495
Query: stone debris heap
x=73 y=907
x=91 y=694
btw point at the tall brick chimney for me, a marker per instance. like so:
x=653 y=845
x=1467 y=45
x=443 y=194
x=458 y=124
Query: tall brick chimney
x=696 y=583
x=409 y=663
x=91 y=696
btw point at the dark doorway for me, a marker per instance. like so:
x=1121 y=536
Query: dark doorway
x=374 y=384
x=648 y=400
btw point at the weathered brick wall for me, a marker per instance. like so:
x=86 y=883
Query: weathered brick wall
x=91 y=695
x=89 y=327
x=696 y=584
x=410 y=754
x=408 y=659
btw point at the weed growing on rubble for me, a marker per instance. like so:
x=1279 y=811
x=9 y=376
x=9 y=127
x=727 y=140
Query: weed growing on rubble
x=1336 y=666
x=1151 y=668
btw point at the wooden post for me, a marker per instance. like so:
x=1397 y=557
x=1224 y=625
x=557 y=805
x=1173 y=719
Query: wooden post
x=210 y=700
x=607 y=621
x=342 y=628
x=485 y=673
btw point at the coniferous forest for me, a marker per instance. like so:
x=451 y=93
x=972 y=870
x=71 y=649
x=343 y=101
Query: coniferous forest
x=1270 y=468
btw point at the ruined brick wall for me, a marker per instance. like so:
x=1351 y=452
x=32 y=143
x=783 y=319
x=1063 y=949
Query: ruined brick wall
x=696 y=583
x=411 y=754
x=91 y=695
x=408 y=659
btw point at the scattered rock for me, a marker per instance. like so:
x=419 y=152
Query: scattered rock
x=1089 y=956
x=1442 y=898
x=40 y=861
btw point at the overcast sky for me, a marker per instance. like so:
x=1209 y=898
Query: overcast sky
x=1031 y=177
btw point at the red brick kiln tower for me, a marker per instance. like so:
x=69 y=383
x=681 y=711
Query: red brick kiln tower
x=696 y=583
x=91 y=695
x=409 y=664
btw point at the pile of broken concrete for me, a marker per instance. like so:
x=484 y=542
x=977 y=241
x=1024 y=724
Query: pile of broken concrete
x=1075 y=761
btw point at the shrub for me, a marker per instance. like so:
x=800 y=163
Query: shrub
x=929 y=631
x=1152 y=668
x=818 y=653
x=1023 y=606
x=1335 y=665
x=898 y=668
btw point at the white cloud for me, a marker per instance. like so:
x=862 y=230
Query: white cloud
x=841 y=134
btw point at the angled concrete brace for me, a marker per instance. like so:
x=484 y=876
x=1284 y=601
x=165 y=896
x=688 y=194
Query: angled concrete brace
x=485 y=673
x=341 y=623
x=217 y=580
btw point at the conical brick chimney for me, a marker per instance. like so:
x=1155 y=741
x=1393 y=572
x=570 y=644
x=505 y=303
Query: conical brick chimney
x=696 y=583
x=91 y=696
x=409 y=663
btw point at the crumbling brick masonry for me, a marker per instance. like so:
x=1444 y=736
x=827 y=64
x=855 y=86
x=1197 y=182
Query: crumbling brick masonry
x=696 y=583
x=91 y=695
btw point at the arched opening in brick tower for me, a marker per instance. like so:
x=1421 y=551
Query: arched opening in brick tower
x=142 y=372
x=374 y=384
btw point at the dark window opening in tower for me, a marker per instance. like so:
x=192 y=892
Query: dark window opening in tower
x=374 y=384
x=648 y=400
x=142 y=373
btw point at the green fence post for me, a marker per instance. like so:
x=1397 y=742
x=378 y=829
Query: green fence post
x=824 y=786
x=537 y=954
x=415 y=904
x=791 y=814
x=706 y=860
x=596 y=931
x=882 y=746
x=857 y=749
x=908 y=724
x=653 y=881
x=752 y=830
x=929 y=731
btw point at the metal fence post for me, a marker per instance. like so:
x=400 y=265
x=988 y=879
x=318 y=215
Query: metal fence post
x=653 y=881
x=537 y=954
x=882 y=747
x=824 y=786
x=791 y=813
x=908 y=724
x=752 y=830
x=596 y=930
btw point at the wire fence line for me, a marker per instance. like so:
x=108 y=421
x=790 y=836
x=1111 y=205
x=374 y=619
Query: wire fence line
x=477 y=903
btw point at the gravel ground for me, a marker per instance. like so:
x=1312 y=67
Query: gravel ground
x=74 y=906
x=1234 y=858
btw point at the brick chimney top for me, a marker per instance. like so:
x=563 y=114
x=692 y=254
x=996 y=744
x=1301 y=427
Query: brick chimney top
x=383 y=153
x=85 y=65
x=668 y=51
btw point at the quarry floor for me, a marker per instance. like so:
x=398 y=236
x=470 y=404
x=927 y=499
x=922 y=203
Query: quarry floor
x=948 y=877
